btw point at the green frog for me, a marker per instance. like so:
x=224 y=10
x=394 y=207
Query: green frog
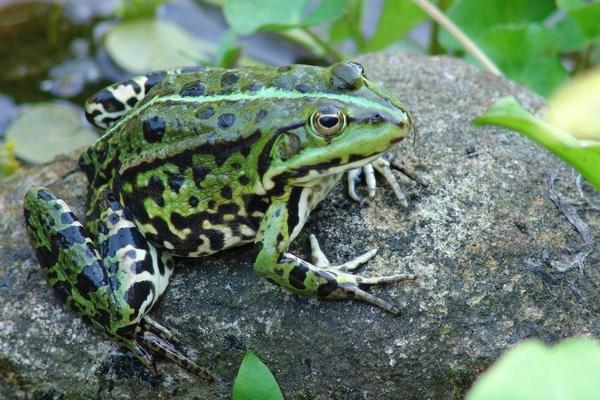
x=197 y=160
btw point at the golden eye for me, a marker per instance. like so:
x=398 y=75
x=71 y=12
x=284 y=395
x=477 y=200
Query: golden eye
x=328 y=121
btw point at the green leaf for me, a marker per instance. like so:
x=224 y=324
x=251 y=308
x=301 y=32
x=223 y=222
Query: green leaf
x=254 y=381
x=228 y=52
x=148 y=45
x=136 y=9
x=326 y=11
x=581 y=154
x=248 y=16
x=398 y=17
x=585 y=15
x=347 y=26
x=475 y=17
x=533 y=371
x=570 y=37
x=46 y=130
x=529 y=54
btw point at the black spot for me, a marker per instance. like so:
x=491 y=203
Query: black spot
x=176 y=182
x=205 y=113
x=108 y=101
x=130 y=254
x=235 y=165
x=132 y=101
x=230 y=208
x=212 y=204
x=67 y=218
x=226 y=120
x=153 y=79
x=137 y=294
x=154 y=190
x=193 y=89
x=244 y=180
x=113 y=218
x=154 y=129
x=91 y=279
x=45 y=195
x=254 y=87
x=69 y=236
x=284 y=68
x=293 y=203
x=302 y=88
x=229 y=78
x=226 y=192
x=199 y=172
x=46 y=257
x=325 y=290
x=102 y=317
x=193 y=201
x=217 y=239
x=260 y=116
x=297 y=276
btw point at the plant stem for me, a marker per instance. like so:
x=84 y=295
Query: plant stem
x=327 y=48
x=458 y=34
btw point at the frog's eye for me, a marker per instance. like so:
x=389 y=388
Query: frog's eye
x=328 y=121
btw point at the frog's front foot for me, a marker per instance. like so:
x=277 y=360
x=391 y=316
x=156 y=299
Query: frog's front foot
x=339 y=281
x=384 y=165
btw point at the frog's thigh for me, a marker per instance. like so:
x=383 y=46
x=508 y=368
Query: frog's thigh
x=68 y=257
x=138 y=272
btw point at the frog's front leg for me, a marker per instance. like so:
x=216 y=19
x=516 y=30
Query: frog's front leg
x=384 y=165
x=318 y=279
x=112 y=281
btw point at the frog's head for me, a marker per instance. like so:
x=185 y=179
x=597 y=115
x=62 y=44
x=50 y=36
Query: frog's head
x=347 y=122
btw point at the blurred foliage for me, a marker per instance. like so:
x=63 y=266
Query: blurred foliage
x=533 y=371
x=8 y=162
x=571 y=129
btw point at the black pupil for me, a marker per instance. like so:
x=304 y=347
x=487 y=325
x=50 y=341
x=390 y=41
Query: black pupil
x=329 y=121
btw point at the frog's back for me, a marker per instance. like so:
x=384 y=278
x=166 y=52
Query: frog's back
x=186 y=160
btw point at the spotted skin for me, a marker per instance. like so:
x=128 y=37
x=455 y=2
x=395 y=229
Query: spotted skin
x=195 y=161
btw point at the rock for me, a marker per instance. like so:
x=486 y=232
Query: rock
x=481 y=238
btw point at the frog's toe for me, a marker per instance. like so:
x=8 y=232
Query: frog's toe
x=166 y=348
x=151 y=325
x=320 y=259
x=383 y=167
x=354 y=292
x=353 y=177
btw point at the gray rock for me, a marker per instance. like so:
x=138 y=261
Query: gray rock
x=481 y=238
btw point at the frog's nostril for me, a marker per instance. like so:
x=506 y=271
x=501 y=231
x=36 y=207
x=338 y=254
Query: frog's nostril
x=377 y=117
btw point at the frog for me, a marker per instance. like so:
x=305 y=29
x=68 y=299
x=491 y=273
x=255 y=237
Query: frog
x=193 y=161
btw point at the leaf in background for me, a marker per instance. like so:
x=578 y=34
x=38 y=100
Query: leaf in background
x=46 y=130
x=533 y=371
x=397 y=18
x=8 y=162
x=148 y=45
x=583 y=155
x=254 y=381
x=136 y=9
x=351 y=20
x=570 y=37
x=585 y=15
x=475 y=17
x=228 y=51
x=326 y=11
x=248 y=16
x=529 y=54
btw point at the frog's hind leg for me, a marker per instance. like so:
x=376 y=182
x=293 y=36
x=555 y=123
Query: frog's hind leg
x=111 y=283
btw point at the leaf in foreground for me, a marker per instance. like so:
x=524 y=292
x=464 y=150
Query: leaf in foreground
x=254 y=381
x=46 y=130
x=584 y=155
x=533 y=371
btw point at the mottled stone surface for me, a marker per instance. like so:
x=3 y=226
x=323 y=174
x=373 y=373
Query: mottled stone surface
x=481 y=239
